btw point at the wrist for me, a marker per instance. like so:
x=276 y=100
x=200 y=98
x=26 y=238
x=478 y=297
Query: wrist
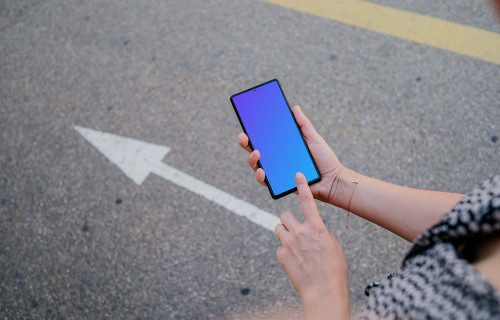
x=332 y=305
x=342 y=188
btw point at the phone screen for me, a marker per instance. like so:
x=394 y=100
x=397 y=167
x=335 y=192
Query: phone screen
x=270 y=125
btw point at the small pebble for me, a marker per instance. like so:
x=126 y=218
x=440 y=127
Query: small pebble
x=245 y=291
x=85 y=228
x=418 y=79
x=494 y=139
x=34 y=304
x=333 y=57
x=125 y=42
x=118 y=201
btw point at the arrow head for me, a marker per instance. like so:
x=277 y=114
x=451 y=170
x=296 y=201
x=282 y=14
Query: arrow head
x=134 y=157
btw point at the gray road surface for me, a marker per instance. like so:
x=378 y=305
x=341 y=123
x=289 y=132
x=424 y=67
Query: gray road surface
x=78 y=239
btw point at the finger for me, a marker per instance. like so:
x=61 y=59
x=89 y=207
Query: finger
x=289 y=219
x=243 y=140
x=304 y=123
x=306 y=199
x=280 y=228
x=253 y=158
x=261 y=176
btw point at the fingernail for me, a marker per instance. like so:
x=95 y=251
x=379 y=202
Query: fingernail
x=252 y=155
x=298 y=175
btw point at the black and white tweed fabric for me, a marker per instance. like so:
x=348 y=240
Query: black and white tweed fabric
x=434 y=281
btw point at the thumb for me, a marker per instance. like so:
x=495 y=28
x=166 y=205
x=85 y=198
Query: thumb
x=306 y=199
x=304 y=123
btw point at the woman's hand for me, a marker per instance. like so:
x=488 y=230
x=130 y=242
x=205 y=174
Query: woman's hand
x=328 y=164
x=313 y=259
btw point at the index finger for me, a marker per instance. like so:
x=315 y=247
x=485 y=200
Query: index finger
x=306 y=199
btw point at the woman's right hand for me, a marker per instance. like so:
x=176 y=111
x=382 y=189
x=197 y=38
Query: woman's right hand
x=327 y=162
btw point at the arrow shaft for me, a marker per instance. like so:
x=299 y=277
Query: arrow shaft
x=137 y=159
x=224 y=199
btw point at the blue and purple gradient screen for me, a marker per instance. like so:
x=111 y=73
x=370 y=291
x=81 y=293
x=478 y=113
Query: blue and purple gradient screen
x=272 y=130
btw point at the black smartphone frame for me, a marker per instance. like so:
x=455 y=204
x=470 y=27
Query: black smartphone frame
x=274 y=196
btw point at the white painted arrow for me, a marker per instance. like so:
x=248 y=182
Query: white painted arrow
x=137 y=159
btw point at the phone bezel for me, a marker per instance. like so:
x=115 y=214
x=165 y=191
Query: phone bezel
x=274 y=196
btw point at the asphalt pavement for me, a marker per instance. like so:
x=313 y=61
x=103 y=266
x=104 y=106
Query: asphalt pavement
x=79 y=239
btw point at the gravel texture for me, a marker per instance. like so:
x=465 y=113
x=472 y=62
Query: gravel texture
x=78 y=239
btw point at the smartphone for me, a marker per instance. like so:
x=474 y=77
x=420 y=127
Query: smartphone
x=268 y=121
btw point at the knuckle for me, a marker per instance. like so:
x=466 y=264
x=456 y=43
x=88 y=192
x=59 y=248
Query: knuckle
x=286 y=241
x=317 y=229
x=251 y=162
x=284 y=214
x=280 y=253
x=288 y=216
x=299 y=232
x=307 y=121
x=277 y=228
x=257 y=177
x=261 y=174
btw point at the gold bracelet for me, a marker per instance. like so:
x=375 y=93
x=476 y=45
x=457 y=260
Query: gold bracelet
x=355 y=181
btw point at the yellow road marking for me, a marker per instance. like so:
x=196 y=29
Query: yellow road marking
x=458 y=38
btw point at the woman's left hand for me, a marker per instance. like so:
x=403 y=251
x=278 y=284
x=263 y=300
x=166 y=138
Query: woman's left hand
x=313 y=259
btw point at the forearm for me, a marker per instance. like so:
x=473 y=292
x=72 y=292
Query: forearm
x=404 y=211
